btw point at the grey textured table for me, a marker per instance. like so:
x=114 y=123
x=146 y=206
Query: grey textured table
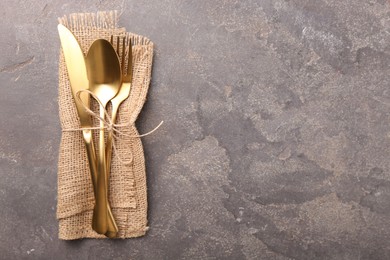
x=276 y=136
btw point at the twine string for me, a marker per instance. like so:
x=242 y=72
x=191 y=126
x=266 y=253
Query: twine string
x=109 y=125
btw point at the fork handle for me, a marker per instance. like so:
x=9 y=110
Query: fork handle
x=115 y=108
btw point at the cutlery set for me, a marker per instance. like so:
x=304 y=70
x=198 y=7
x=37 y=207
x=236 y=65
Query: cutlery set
x=102 y=75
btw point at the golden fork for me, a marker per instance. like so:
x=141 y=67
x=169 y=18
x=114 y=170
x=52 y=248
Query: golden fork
x=124 y=91
x=121 y=96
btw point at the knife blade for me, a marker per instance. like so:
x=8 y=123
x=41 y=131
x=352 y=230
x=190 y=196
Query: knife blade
x=77 y=72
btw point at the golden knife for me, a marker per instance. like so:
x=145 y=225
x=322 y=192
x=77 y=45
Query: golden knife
x=77 y=72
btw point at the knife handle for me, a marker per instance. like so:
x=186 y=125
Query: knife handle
x=87 y=135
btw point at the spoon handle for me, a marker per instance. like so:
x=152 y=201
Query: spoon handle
x=111 y=225
x=100 y=210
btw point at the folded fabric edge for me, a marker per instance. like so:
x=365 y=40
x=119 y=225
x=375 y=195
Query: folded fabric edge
x=71 y=211
x=130 y=223
x=92 y=234
x=75 y=211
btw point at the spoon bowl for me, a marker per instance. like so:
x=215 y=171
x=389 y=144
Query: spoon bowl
x=104 y=72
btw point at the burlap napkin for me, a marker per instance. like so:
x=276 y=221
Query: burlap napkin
x=127 y=187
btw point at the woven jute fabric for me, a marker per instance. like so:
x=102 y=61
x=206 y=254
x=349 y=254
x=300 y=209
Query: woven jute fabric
x=127 y=183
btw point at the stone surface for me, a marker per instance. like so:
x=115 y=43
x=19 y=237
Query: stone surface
x=276 y=136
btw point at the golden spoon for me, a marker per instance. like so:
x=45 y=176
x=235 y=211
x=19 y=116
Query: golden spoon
x=105 y=78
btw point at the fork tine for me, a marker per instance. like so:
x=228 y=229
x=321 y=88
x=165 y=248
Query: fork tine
x=130 y=62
